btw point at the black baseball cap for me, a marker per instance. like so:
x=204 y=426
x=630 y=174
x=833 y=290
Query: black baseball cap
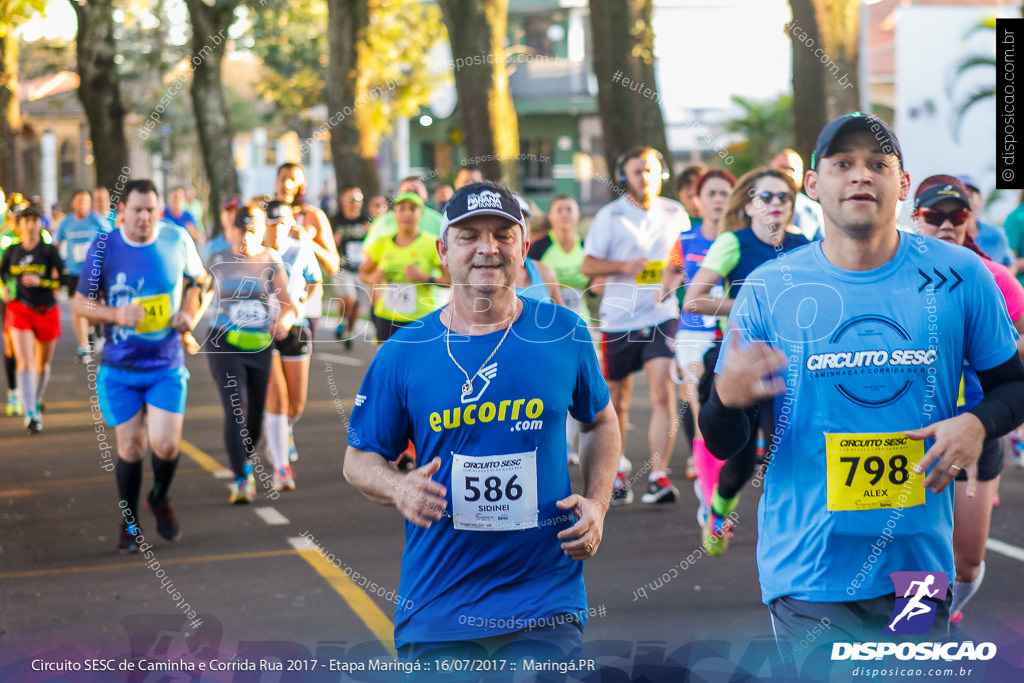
x=482 y=199
x=244 y=220
x=277 y=211
x=850 y=123
x=946 y=187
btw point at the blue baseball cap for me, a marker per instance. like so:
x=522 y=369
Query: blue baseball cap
x=850 y=123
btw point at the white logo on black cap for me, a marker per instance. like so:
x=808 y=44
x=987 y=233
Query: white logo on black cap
x=483 y=200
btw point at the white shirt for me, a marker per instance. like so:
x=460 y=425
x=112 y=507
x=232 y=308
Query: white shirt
x=622 y=231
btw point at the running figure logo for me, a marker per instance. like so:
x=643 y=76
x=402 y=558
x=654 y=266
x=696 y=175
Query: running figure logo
x=921 y=592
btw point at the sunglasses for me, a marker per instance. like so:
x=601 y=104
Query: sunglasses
x=766 y=197
x=937 y=218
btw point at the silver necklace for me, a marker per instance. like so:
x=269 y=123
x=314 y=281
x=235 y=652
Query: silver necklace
x=467 y=388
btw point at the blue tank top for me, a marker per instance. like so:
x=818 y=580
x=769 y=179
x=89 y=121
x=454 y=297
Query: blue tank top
x=754 y=252
x=538 y=290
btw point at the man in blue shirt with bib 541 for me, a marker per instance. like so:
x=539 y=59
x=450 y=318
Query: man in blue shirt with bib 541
x=142 y=282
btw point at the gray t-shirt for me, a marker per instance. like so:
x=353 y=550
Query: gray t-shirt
x=243 y=291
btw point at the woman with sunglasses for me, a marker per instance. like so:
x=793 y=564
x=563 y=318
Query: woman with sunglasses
x=696 y=333
x=942 y=209
x=756 y=227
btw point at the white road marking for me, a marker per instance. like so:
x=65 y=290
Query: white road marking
x=344 y=360
x=301 y=543
x=995 y=545
x=271 y=516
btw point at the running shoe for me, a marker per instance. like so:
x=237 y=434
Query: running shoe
x=40 y=407
x=84 y=357
x=621 y=494
x=702 y=507
x=166 y=523
x=956 y=617
x=348 y=343
x=34 y=423
x=660 y=491
x=691 y=468
x=128 y=543
x=717 y=533
x=293 y=454
x=243 y=490
x=284 y=479
x=13 y=404
x=719 y=526
x=407 y=460
x=625 y=466
x=339 y=331
x=572 y=457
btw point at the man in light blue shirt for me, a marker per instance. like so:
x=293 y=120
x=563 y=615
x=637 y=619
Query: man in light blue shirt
x=74 y=235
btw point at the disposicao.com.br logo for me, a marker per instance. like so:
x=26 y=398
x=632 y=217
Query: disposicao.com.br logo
x=918 y=595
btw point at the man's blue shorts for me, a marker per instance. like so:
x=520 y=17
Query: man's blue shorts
x=123 y=392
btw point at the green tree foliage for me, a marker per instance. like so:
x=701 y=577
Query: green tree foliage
x=393 y=77
x=766 y=128
x=12 y=13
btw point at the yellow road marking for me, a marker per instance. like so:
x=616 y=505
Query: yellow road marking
x=365 y=608
x=200 y=457
x=133 y=565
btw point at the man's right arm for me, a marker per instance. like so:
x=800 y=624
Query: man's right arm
x=419 y=498
x=596 y=267
x=97 y=312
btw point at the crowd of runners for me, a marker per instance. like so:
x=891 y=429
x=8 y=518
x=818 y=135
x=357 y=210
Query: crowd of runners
x=907 y=364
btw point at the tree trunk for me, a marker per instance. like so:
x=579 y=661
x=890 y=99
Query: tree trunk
x=100 y=92
x=210 y=22
x=825 y=66
x=481 y=82
x=10 y=122
x=346 y=27
x=627 y=94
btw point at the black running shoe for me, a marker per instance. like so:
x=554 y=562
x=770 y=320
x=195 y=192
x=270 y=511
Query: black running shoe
x=166 y=524
x=128 y=542
x=660 y=491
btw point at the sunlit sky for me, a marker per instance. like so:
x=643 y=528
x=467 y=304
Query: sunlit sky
x=693 y=34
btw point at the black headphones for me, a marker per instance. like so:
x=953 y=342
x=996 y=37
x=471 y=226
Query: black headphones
x=633 y=153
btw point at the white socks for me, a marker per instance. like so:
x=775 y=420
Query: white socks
x=27 y=391
x=277 y=439
x=963 y=591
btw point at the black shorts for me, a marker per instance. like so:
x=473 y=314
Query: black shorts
x=628 y=352
x=298 y=344
x=385 y=328
x=990 y=464
x=801 y=626
x=70 y=283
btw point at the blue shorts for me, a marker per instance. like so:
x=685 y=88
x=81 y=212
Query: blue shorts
x=122 y=393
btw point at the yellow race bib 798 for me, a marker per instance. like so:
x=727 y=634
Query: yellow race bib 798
x=873 y=471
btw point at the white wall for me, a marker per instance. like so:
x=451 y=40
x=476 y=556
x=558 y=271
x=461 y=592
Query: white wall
x=929 y=44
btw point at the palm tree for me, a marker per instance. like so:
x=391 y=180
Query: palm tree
x=766 y=127
x=980 y=93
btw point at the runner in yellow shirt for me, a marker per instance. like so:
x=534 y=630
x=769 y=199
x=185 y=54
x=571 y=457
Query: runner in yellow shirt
x=400 y=269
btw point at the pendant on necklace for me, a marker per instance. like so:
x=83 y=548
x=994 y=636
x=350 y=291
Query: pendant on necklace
x=467 y=388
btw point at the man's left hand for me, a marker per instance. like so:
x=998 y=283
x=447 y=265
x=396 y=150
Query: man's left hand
x=587 y=532
x=958 y=442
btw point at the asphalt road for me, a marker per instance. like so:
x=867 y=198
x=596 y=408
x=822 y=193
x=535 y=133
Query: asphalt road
x=266 y=597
